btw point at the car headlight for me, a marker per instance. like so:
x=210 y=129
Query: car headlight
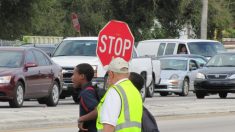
x=5 y=79
x=174 y=77
x=64 y=71
x=200 y=76
x=232 y=76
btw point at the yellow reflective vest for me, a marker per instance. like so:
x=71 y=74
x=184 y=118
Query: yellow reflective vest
x=129 y=119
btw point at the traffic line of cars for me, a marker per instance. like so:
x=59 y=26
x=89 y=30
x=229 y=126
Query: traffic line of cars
x=29 y=73
x=183 y=73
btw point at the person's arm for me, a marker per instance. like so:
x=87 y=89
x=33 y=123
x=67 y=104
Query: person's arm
x=108 y=128
x=90 y=116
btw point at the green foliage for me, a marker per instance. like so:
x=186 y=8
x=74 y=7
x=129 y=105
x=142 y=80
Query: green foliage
x=219 y=18
x=190 y=12
x=229 y=33
x=14 y=18
x=53 y=17
x=47 y=19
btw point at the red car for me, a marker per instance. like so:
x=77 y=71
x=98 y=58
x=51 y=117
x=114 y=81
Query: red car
x=28 y=73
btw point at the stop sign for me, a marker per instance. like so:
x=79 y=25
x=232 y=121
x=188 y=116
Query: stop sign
x=114 y=40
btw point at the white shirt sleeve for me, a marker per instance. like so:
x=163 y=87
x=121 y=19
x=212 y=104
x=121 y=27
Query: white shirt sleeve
x=111 y=108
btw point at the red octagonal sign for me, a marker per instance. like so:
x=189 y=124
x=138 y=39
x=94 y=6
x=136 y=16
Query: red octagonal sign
x=115 y=40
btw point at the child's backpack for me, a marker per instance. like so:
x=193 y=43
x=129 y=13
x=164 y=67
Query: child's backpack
x=149 y=123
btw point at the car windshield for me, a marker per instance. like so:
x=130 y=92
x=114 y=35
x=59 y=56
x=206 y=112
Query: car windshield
x=47 y=49
x=76 y=48
x=222 y=60
x=11 y=59
x=173 y=64
x=207 y=49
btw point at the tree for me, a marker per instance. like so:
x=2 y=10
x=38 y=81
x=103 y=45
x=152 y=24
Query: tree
x=219 y=18
x=47 y=19
x=14 y=16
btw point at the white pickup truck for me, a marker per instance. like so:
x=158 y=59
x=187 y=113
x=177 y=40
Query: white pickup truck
x=75 y=50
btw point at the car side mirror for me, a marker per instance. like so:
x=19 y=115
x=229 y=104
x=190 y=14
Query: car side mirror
x=193 y=68
x=202 y=65
x=28 y=65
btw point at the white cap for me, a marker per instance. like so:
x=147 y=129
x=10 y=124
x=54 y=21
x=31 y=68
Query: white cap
x=118 y=65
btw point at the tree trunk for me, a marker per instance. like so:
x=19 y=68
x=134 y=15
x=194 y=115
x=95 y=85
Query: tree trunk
x=204 y=19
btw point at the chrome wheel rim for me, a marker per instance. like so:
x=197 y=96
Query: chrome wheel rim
x=186 y=87
x=142 y=91
x=151 y=89
x=20 y=94
x=55 y=93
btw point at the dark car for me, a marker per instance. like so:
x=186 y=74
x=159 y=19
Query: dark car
x=28 y=73
x=47 y=48
x=217 y=76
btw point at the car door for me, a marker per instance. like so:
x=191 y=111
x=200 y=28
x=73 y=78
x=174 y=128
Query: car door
x=193 y=69
x=45 y=72
x=31 y=75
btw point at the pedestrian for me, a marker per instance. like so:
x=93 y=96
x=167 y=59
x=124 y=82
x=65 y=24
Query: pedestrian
x=148 y=123
x=82 y=76
x=137 y=80
x=121 y=108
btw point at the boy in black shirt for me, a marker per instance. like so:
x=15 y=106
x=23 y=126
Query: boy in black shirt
x=82 y=76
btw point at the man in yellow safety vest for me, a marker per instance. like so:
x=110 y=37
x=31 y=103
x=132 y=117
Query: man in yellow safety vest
x=121 y=108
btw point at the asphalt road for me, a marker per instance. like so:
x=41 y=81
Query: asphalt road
x=34 y=117
x=205 y=123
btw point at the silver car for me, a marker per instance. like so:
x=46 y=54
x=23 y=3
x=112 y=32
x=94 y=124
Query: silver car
x=177 y=75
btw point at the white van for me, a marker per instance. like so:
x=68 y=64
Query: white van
x=159 y=47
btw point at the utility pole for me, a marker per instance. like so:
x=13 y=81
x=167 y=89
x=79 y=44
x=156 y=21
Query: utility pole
x=204 y=19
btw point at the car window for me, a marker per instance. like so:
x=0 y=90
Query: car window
x=170 y=48
x=41 y=58
x=11 y=59
x=222 y=60
x=76 y=48
x=193 y=65
x=207 y=49
x=29 y=58
x=173 y=64
x=200 y=61
x=161 y=49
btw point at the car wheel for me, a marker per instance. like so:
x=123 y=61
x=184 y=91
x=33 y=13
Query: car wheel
x=200 y=95
x=53 y=98
x=143 y=92
x=150 y=89
x=223 y=95
x=164 y=93
x=185 y=88
x=18 y=98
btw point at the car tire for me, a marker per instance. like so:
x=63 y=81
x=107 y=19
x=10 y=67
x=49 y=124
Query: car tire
x=200 y=95
x=164 y=93
x=53 y=98
x=185 y=88
x=18 y=97
x=150 y=89
x=223 y=95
